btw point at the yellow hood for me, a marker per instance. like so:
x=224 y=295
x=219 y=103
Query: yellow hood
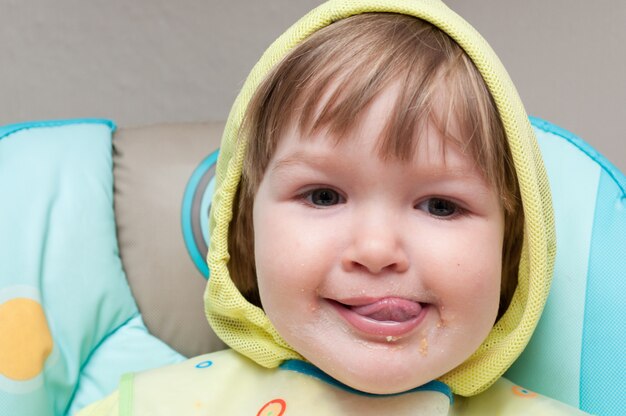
x=246 y=328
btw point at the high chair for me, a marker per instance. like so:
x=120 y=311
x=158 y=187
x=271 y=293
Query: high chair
x=103 y=235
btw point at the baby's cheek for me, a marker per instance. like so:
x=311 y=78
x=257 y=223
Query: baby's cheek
x=473 y=290
x=479 y=266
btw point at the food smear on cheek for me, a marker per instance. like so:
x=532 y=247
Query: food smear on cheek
x=424 y=347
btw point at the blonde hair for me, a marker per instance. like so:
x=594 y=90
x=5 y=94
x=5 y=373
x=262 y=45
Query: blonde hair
x=328 y=81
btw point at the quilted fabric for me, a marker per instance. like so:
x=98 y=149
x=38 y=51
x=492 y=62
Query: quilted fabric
x=577 y=352
x=64 y=299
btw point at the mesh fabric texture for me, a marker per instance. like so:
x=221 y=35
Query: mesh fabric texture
x=247 y=329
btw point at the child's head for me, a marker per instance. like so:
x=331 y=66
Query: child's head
x=377 y=221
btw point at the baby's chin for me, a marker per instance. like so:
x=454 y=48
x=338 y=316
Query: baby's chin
x=385 y=385
x=383 y=379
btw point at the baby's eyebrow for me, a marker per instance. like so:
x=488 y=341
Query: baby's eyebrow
x=301 y=158
x=432 y=174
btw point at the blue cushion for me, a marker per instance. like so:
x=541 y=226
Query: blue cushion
x=64 y=299
x=577 y=354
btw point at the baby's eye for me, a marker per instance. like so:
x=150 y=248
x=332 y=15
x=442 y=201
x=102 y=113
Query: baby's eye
x=323 y=197
x=439 y=207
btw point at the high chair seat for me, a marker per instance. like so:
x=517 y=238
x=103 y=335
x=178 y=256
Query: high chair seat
x=103 y=237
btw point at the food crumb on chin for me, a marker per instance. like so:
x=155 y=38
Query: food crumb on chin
x=424 y=347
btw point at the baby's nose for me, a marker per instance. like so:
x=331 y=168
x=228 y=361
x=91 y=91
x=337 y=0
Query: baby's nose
x=376 y=250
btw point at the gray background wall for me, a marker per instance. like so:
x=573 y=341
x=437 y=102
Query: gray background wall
x=149 y=61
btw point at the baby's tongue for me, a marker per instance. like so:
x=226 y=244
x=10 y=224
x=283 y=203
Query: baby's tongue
x=389 y=309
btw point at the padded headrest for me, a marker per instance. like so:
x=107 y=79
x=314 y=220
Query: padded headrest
x=155 y=168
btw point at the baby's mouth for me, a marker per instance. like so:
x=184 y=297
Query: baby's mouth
x=387 y=317
x=388 y=309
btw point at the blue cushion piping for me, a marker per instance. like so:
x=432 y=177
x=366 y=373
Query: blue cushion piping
x=13 y=128
x=603 y=162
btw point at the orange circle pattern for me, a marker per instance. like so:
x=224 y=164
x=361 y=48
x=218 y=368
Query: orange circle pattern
x=275 y=407
x=26 y=341
x=524 y=393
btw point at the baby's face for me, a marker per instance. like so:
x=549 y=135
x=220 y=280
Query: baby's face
x=384 y=274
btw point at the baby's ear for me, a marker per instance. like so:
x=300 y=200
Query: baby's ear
x=163 y=188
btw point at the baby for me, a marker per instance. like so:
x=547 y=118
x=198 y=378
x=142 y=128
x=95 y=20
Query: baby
x=382 y=238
